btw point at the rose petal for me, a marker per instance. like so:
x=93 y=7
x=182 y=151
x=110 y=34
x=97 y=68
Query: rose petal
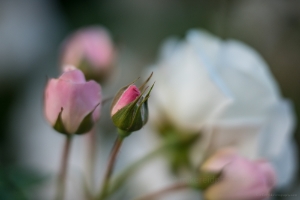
x=91 y=43
x=241 y=178
x=128 y=96
x=75 y=76
x=269 y=172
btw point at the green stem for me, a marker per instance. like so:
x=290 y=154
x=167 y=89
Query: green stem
x=92 y=141
x=89 y=180
x=110 y=167
x=160 y=193
x=122 y=177
x=61 y=186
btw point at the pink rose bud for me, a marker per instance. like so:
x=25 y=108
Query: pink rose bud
x=72 y=105
x=129 y=95
x=91 y=50
x=129 y=110
x=241 y=179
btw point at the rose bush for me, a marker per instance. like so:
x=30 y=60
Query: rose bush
x=224 y=90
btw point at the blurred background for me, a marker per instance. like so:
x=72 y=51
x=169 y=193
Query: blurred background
x=32 y=31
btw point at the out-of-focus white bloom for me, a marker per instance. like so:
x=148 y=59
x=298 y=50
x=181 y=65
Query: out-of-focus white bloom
x=225 y=90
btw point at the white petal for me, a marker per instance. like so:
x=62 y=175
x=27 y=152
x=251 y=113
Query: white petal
x=278 y=130
x=184 y=90
x=246 y=75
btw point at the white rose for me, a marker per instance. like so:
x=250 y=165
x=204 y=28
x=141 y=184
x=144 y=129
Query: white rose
x=225 y=90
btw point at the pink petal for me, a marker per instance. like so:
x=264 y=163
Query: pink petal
x=241 y=179
x=92 y=43
x=269 y=172
x=128 y=96
x=98 y=46
x=75 y=76
x=76 y=99
x=68 y=68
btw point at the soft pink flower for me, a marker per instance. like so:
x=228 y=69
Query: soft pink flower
x=91 y=50
x=75 y=96
x=241 y=178
x=128 y=96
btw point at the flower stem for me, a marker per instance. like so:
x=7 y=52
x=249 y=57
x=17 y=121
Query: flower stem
x=92 y=142
x=110 y=167
x=172 y=188
x=61 y=186
x=121 y=178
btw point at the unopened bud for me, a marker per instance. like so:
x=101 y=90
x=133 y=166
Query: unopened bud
x=129 y=110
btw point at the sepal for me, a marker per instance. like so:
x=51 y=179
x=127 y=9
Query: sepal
x=59 y=125
x=87 y=123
